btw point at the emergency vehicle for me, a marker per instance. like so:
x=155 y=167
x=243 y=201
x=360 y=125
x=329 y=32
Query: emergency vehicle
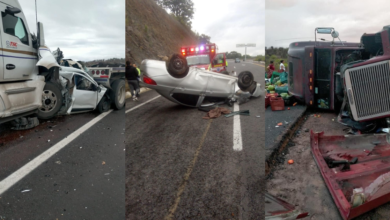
x=205 y=57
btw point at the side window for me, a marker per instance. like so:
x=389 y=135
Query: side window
x=83 y=83
x=218 y=59
x=14 y=26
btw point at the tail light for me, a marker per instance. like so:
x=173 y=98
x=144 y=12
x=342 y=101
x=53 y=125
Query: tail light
x=184 y=54
x=192 y=49
x=149 y=81
x=93 y=72
x=183 y=50
x=97 y=72
x=302 y=215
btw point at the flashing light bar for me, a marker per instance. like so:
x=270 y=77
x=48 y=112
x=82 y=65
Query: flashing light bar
x=200 y=49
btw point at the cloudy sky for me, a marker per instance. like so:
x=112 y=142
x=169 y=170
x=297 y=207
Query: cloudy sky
x=83 y=30
x=295 y=20
x=231 y=22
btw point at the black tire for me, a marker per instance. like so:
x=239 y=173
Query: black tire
x=51 y=101
x=104 y=105
x=118 y=94
x=177 y=66
x=246 y=80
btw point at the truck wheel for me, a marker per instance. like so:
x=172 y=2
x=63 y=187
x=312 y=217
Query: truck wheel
x=104 y=105
x=118 y=94
x=51 y=101
x=177 y=66
x=245 y=80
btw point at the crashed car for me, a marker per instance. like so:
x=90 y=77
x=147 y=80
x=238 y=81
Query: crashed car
x=192 y=86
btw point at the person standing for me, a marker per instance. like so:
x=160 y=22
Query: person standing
x=270 y=69
x=131 y=77
x=282 y=68
x=138 y=79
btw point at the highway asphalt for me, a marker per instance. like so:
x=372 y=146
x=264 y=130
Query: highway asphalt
x=180 y=166
x=83 y=179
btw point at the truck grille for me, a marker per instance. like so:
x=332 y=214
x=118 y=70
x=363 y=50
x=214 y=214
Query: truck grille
x=368 y=90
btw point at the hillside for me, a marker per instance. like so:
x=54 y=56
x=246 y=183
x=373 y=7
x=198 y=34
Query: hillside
x=151 y=32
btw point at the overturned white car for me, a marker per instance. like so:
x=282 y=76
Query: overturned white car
x=191 y=86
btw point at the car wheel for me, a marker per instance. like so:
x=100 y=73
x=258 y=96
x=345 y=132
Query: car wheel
x=118 y=94
x=104 y=105
x=51 y=101
x=246 y=81
x=177 y=66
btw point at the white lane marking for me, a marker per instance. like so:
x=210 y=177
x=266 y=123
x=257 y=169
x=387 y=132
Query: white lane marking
x=237 y=138
x=32 y=165
x=129 y=110
x=243 y=64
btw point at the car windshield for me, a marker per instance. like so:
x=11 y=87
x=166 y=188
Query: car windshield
x=198 y=60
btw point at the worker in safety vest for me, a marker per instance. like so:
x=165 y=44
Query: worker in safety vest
x=139 y=79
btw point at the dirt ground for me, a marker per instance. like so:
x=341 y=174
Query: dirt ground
x=301 y=183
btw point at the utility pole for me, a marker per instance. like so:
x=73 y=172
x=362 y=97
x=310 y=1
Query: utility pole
x=245 y=45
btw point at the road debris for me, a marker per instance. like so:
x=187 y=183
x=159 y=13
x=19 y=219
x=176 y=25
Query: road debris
x=217 y=112
x=25 y=190
x=242 y=112
x=290 y=161
x=103 y=163
x=58 y=162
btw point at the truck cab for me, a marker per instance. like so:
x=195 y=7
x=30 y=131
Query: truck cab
x=26 y=66
x=314 y=71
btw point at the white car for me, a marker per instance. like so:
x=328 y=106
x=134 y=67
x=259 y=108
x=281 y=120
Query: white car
x=191 y=86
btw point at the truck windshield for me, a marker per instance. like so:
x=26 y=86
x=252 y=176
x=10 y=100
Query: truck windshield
x=198 y=60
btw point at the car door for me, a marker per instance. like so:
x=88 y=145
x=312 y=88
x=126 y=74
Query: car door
x=85 y=94
x=19 y=55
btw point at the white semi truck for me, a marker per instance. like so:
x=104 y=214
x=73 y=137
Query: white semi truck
x=32 y=83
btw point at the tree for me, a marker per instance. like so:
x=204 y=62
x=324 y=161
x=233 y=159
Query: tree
x=183 y=10
x=204 y=39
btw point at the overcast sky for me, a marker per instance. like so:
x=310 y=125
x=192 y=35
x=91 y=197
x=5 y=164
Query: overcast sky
x=84 y=30
x=231 y=22
x=295 y=20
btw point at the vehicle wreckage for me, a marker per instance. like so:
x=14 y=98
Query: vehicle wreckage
x=34 y=85
x=353 y=78
x=194 y=87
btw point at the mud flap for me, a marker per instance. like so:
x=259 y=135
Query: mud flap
x=365 y=185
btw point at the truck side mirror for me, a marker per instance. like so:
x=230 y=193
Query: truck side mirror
x=12 y=10
x=41 y=35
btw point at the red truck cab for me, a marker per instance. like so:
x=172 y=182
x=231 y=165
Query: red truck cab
x=314 y=71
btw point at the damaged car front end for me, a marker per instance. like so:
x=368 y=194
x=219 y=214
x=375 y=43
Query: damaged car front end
x=191 y=86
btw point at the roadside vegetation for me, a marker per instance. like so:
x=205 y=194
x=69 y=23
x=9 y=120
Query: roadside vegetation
x=276 y=54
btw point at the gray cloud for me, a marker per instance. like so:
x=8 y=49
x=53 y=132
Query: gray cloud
x=299 y=19
x=84 y=30
x=231 y=22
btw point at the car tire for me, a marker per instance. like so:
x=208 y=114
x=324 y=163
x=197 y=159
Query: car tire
x=246 y=81
x=118 y=94
x=104 y=105
x=51 y=101
x=177 y=66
